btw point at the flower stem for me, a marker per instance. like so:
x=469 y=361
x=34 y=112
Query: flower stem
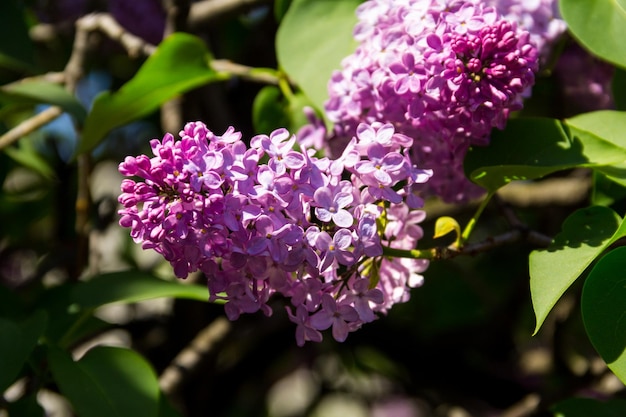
x=284 y=86
x=472 y=222
x=409 y=253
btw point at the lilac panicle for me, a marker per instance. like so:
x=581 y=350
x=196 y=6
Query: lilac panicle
x=292 y=225
x=442 y=72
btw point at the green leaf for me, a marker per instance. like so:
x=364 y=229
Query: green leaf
x=280 y=8
x=39 y=91
x=587 y=407
x=313 y=38
x=107 y=382
x=530 y=148
x=603 y=305
x=608 y=126
x=28 y=156
x=166 y=409
x=271 y=110
x=71 y=323
x=180 y=63
x=17 y=340
x=600 y=26
x=133 y=286
x=268 y=110
x=606 y=191
x=445 y=225
x=585 y=234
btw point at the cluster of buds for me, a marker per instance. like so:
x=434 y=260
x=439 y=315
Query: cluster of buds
x=272 y=218
x=444 y=72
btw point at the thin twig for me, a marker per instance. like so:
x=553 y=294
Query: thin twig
x=532 y=236
x=51 y=77
x=30 y=125
x=188 y=359
x=207 y=11
x=177 y=12
x=172 y=117
x=449 y=252
x=263 y=76
x=74 y=70
x=134 y=45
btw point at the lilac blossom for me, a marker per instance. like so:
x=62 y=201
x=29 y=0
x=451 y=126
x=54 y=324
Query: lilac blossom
x=291 y=227
x=443 y=73
x=335 y=248
x=335 y=315
x=330 y=206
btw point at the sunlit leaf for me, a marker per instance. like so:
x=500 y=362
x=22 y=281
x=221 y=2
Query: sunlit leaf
x=180 y=63
x=609 y=125
x=133 y=286
x=606 y=190
x=532 y=148
x=598 y=25
x=585 y=234
x=107 y=382
x=313 y=38
x=445 y=225
x=603 y=305
x=39 y=91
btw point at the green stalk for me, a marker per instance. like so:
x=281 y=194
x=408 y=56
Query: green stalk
x=472 y=222
x=409 y=253
x=284 y=86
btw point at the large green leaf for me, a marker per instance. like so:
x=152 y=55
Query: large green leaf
x=17 y=340
x=180 y=63
x=313 y=38
x=107 y=382
x=585 y=234
x=603 y=306
x=599 y=25
x=39 y=91
x=610 y=125
x=588 y=407
x=534 y=147
x=606 y=191
x=133 y=286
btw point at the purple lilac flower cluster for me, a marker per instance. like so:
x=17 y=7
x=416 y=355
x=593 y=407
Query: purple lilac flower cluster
x=268 y=218
x=444 y=72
